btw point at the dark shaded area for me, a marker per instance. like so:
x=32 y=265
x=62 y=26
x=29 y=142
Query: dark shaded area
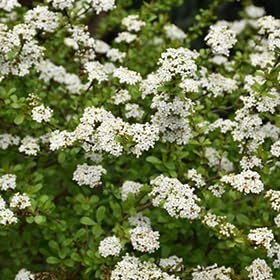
x=183 y=16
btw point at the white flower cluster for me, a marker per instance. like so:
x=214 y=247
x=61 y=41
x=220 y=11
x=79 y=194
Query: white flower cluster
x=144 y=239
x=259 y=270
x=121 y=96
x=43 y=19
x=7 y=181
x=7 y=140
x=25 y=274
x=133 y=110
x=41 y=113
x=130 y=187
x=51 y=72
x=261 y=237
x=172 y=264
x=101 y=5
x=127 y=76
x=220 y=224
x=247 y=181
x=211 y=272
x=275 y=149
x=254 y=11
x=133 y=23
x=221 y=39
x=274 y=198
x=178 y=199
x=197 y=178
x=125 y=37
x=62 y=4
x=173 y=32
x=19 y=201
x=9 y=5
x=131 y=267
x=110 y=246
x=29 y=145
x=139 y=220
x=88 y=174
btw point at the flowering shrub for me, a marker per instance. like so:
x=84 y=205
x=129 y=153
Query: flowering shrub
x=139 y=157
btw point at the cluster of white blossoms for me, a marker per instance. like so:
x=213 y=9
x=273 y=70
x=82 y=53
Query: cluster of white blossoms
x=7 y=140
x=41 y=113
x=177 y=199
x=211 y=272
x=88 y=174
x=25 y=274
x=274 y=198
x=9 y=5
x=144 y=239
x=173 y=32
x=133 y=23
x=17 y=201
x=130 y=187
x=275 y=149
x=247 y=181
x=110 y=246
x=261 y=237
x=221 y=39
x=219 y=224
x=197 y=178
x=131 y=267
x=259 y=270
x=29 y=145
x=172 y=264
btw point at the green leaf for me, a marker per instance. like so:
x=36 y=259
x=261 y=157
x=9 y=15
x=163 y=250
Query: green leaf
x=40 y=219
x=87 y=221
x=53 y=260
x=19 y=119
x=153 y=160
x=100 y=213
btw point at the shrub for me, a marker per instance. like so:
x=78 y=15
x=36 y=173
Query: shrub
x=128 y=154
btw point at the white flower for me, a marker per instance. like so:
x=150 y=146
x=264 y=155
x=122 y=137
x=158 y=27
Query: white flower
x=121 y=97
x=274 y=197
x=144 y=239
x=7 y=140
x=41 y=18
x=221 y=39
x=139 y=220
x=211 y=272
x=7 y=217
x=277 y=220
x=197 y=178
x=127 y=76
x=178 y=199
x=247 y=181
x=24 y=274
x=133 y=110
x=20 y=201
x=8 y=5
x=41 y=113
x=261 y=237
x=173 y=32
x=130 y=187
x=254 y=11
x=29 y=145
x=7 y=181
x=110 y=246
x=88 y=174
x=62 y=4
x=275 y=149
x=125 y=37
x=259 y=270
x=96 y=71
x=131 y=267
x=102 y=5
x=133 y=23
x=172 y=263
